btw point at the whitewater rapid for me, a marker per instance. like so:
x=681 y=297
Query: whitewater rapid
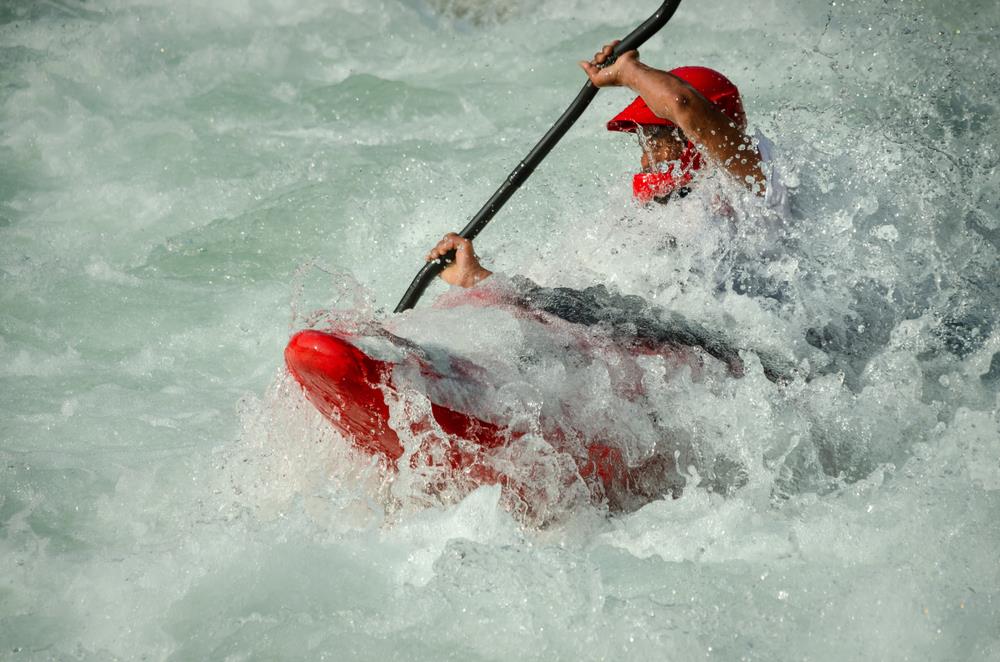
x=182 y=186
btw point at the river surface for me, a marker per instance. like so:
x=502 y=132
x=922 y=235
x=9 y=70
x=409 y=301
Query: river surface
x=183 y=184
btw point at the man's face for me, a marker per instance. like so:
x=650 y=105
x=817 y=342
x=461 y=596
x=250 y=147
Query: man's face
x=660 y=145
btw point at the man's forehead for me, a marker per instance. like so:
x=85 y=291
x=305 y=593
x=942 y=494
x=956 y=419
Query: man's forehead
x=654 y=132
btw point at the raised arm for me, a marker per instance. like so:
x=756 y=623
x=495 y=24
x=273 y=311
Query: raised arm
x=670 y=98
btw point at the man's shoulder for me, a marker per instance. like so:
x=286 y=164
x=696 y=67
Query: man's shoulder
x=776 y=196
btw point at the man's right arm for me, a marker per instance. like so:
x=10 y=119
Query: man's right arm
x=466 y=270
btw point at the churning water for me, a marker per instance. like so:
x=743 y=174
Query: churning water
x=184 y=183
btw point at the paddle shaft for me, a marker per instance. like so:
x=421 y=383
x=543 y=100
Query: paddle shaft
x=527 y=166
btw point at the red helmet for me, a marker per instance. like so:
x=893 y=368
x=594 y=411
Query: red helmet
x=710 y=84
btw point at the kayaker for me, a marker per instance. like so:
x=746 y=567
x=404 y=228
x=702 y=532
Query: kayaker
x=688 y=120
x=685 y=118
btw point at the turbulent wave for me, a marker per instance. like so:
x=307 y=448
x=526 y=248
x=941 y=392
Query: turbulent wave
x=176 y=175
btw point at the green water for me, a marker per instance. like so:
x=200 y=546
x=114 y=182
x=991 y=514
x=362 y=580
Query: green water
x=181 y=185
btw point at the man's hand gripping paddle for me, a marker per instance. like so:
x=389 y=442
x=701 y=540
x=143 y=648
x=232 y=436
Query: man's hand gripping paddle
x=527 y=166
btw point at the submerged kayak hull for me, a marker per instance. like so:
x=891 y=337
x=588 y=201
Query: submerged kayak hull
x=349 y=387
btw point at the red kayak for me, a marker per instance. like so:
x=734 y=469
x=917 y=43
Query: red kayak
x=350 y=388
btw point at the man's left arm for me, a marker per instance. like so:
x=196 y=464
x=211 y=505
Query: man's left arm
x=672 y=99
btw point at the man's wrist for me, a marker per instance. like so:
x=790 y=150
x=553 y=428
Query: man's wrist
x=630 y=72
x=477 y=277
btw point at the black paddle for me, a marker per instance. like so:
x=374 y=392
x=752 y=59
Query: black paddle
x=527 y=166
